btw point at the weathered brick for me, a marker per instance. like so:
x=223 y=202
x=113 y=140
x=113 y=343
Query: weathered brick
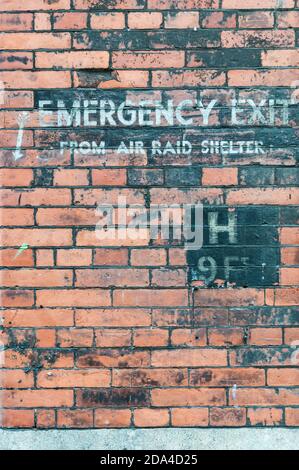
x=70 y=20
x=16 y=21
x=227 y=417
x=147 y=60
x=265 y=416
x=252 y=38
x=181 y=20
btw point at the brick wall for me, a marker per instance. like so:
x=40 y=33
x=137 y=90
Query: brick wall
x=146 y=333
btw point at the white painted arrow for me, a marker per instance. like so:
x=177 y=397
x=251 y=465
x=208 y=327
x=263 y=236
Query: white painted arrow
x=23 y=117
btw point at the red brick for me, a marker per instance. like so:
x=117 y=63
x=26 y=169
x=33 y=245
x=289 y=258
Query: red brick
x=66 y=217
x=113 y=317
x=281 y=58
x=112 y=277
x=103 y=20
x=148 y=60
x=291 y=335
x=123 y=79
x=226 y=336
x=45 y=419
x=92 y=196
x=262 y=77
x=229 y=297
x=219 y=176
x=16 y=21
x=286 y=296
x=74 y=257
x=42 y=22
x=289 y=276
x=148 y=257
x=74 y=418
x=264 y=397
x=73 y=59
x=181 y=4
x=11 y=257
x=34 y=79
x=257 y=38
x=8 y=138
x=112 y=338
x=45 y=338
x=16 y=60
x=188 y=337
x=190 y=358
x=290 y=256
x=44 y=258
x=15 y=5
x=36 y=278
x=166 y=79
x=112 y=358
x=177 y=257
x=188 y=397
x=16 y=379
x=109 y=177
x=147 y=418
x=17 y=99
x=227 y=417
x=177 y=196
x=165 y=277
x=283 y=377
x=247 y=196
x=64 y=177
x=219 y=19
x=117 y=4
x=75 y=338
x=145 y=20
x=150 y=338
x=265 y=416
x=74 y=298
x=70 y=20
x=16 y=217
x=73 y=378
x=289 y=235
x=17 y=298
x=36 y=398
x=256 y=19
x=90 y=238
x=256 y=4
x=184 y=417
x=227 y=377
x=181 y=20
x=38 y=318
x=17 y=418
x=105 y=418
x=288 y=19
x=32 y=41
x=265 y=336
x=149 y=377
x=150 y=297
x=292 y=416
x=111 y=257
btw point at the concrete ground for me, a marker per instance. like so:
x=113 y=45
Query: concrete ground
x=151 y=439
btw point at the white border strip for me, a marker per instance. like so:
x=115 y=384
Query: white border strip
x=152 y=439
